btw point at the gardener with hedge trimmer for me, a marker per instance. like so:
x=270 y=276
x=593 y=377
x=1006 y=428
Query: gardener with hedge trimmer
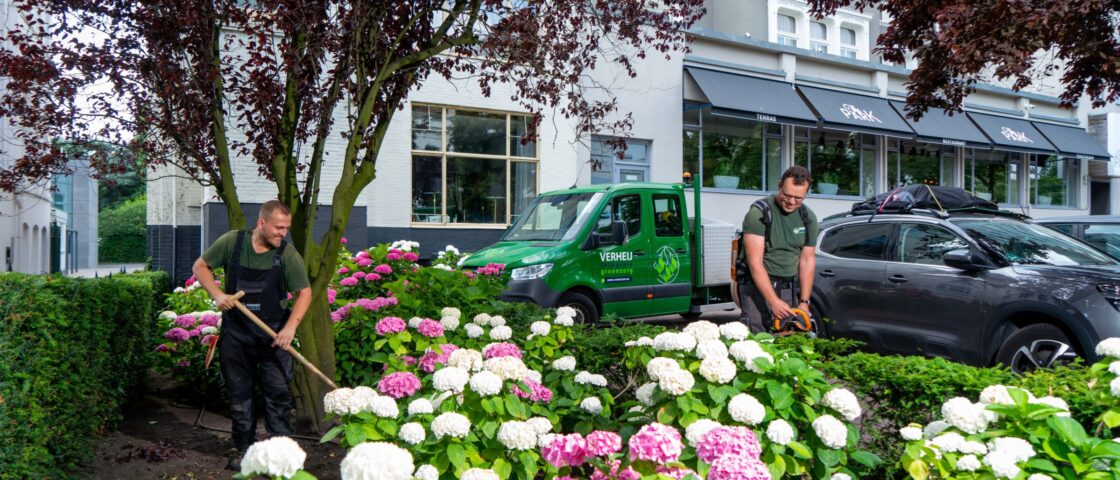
x=264 y=266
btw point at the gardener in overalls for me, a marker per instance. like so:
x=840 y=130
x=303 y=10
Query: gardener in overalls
x=260 y=263
x=776 y=266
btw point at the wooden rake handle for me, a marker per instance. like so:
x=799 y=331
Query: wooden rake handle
x=249 y=313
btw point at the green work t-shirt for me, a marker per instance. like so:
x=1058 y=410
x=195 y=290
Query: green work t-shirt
x=787 y=236
x=221 y=252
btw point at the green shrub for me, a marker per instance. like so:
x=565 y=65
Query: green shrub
x=73 y=350
x=123 y=233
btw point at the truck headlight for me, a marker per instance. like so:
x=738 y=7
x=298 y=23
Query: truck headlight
x=530 y=272
x=1111 y=292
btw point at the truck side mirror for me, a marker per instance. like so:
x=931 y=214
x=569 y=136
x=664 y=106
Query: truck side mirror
x=618 y=232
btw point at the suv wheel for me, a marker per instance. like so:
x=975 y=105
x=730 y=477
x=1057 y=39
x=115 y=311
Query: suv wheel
x=584 y=307
x=1036 y=346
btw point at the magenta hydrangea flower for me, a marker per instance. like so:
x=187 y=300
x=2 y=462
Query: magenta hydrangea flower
x=184 y=363
x=728 y=440
x=504 y=349
x=361 y=254
x=389 y=325
x=674 y=472
x=348 y=282
x=332 y=294
x=343 y=240
x=602 y=443
x=210 y=320
x=364 y=262
x=738 y=467
x=185 y=321
x=565 y=450
x=412 y=257
x=190 y=281
x=399 y=385
x=537 y=393
x=358 y=275
x=372 y=277
x=626 y=474
x=336 y=316
x=656 y=443
x=343 y=270
x=162 y=348
x=430 y=328
x=393 y=256
x=408 y=360
x=383 y=269
x=194 y=332
x=177 y=334
x=431 y=358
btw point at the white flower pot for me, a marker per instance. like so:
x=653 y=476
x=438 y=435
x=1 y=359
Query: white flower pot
x=726 y=181
x=827 y=188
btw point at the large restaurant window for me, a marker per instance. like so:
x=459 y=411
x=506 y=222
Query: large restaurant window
x=910 y=162
x=842 y=163
x=1053 y=181
x=734 y=154
x=470 y=167
x=992 y=175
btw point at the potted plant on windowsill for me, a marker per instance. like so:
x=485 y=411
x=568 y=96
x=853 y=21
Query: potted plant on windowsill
x=828 y=183
x=725 y=175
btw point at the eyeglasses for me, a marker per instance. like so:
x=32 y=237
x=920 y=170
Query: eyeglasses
x=791 y=198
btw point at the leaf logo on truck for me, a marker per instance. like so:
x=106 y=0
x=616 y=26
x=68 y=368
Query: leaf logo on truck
x=667 y=265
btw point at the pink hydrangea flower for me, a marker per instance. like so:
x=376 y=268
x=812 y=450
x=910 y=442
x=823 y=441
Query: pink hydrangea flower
x=674 y=472
x=336 y=316
x=190 y=281
x=565 y=450
x=358 y=275
x=184 y=321
x=469 y=274
x=383 y=269
x=361 y=254
x=389 y=325
x=372 y=277
x=195 y=332
x=348 y=282
x=184 y=363
x=728 y=440
x=343 y=240
x=364 y=262
x=626 y=474
x=332 y=294
x=504 y=349
x=408 y=360
x=412 y=257
x=537 y=393
x=206 y=340
x=399 y=385
x=738 y=467
x=393 y=256
x=162 y=348
x=430 y=328
x=177 y=334
x=602 y=443
x=289 y=296
x=491 y=269
x=210 y=320
x=431 y=358
x=343 y=270
x=656 y=443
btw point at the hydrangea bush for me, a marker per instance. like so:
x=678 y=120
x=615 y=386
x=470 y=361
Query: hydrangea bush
x=186 y=329
x=1010 y=434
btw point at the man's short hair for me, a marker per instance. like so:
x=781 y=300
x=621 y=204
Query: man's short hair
x=799 y=174
x=272 y=206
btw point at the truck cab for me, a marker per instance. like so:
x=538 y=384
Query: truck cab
x=624 y=249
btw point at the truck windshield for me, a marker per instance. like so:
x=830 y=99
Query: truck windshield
x=1030 y=244
x=554 y=217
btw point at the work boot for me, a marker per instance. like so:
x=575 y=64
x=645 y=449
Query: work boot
x=234 y=455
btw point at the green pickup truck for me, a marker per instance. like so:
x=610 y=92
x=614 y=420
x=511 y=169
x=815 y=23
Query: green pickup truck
x=627 y=249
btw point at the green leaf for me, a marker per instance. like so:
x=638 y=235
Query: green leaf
x=354 y=434
x=716 y=393
x=777 y=467
x=1111 y=418
x=331 y=434
x=866 y=458
x=918 y=469
x=829 y=457
x=684 y=403
x=1056 y=448
x=303 y=475
x=800 y=450
x=502 y=468
x=781 y=394
x=1069 y=429
x=457 y=455
x=529 y=463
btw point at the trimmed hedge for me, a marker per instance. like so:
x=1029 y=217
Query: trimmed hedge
x=72 y=352
x=123 y=234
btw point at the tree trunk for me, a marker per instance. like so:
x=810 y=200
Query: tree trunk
x=235 y=216
x=316 y=340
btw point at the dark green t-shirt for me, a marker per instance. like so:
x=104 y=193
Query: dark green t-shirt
x=787 y=236
x=221 y=251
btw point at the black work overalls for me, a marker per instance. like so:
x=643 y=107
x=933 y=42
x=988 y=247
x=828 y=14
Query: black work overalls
x=246 y=352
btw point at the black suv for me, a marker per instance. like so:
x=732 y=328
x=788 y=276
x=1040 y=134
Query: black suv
x=978 y=288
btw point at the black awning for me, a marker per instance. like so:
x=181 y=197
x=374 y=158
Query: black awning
x=937 y=126
x=861 y=113
x=752 y=98
x=1013 y=134
x=1072 y=142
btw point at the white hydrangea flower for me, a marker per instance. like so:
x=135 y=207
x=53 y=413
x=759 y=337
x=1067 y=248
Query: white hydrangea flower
x=566 y=363
x=592 y=405
x=747 y=351
x=450 y=312
x=948 y=442
x=479 y=474
x=377 y=461
x=473 y=331
x=677 y=382
x=711 y=349
x=696 y=430
x=440 y=266
x=910 y=433
x=209 y=330
x=518 y=435
x=501 y=333
x=968 y=463
x=734 y=331
x=451 y=424
x=449 y=323
x=1018 y=449
x=540 y=328
x=1002 y=465
x=1040 y=476
x=541 y=425
x=780 y=432
x=482 y=319
x=588 y=378
x=718 y=369
x=349 y=401
x=565 y=320
x=466 y=359
x=843 y=401
x=412 y=433
x=426 y=472
x=1114 y=367
x=965 y=415
x=1056 y=403
x=509 y=368
x=167 y=315
x=1109 y=347
x=935 y=427
x=996 y=394
x=384 y=407
x=973 y=447
x=841 y=476
x=831 y=431
x=674 y=342
x=702 y=330
x=746 y=409
x=414 y=322
x=486 y=383
x=658 y=366
x=644 y=341
x=1114 y=385
x=566 y=312
x=275 y=457
x=420 y=406
x=497 y=321
x=536 y=376
x=645 y=394
x=450 y=379
x=179 y=290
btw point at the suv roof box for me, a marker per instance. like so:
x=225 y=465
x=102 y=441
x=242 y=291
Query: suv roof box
x=933 y=197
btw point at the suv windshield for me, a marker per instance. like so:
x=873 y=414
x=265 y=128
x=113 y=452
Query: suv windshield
x=554 y=217
x=1024 y=243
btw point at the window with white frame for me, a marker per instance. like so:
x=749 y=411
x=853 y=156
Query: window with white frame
x=1054 y=180
x=848 y=42
x=818 y=37
x=471 y=166
x=787 y=30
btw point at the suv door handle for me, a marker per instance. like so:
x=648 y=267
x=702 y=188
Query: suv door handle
x=638 y=253
x=827 y=273
x=897 y=279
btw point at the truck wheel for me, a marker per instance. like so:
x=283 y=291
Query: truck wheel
x=690 y=315
x=1036 y=346
x=584 y=307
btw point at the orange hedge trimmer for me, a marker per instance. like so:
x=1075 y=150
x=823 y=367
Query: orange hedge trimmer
x=799 y=321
